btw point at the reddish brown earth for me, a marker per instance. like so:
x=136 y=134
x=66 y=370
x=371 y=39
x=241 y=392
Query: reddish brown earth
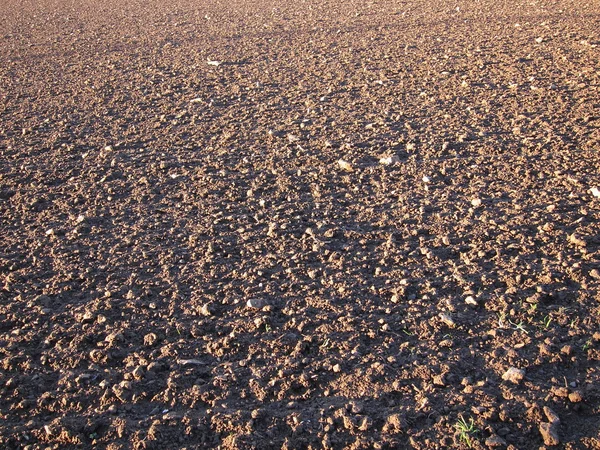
x=164 y=162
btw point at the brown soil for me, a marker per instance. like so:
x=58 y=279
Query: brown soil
x=185 y=262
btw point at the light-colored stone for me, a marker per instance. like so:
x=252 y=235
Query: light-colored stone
x=549 y=433
x=257 y=303
x=514 y=375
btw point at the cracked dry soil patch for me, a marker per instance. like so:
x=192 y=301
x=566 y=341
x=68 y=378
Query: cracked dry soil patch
x=186 y=263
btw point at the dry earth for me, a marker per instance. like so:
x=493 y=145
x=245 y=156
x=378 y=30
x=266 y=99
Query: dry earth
x=299 y=224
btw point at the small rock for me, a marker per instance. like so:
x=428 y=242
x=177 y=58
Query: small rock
x=88 y=317
x=549 y=432
x=551 y=415
x=426 y=179
x=575 y=397
x=337 y=368
x=345 y=165
x=389 y=160
x=190 y=362
x=514 y=375
x=447 y=319
x=577 y=240
x=470 y=300
x=257 y=303
x=594 y=273
x=495 y=441
x=595 y=192
x=205 y=310
x=138 y=372
x=476 y=202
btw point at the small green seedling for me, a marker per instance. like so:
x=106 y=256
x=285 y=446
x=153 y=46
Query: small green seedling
x=586 y=346
x=545 y=322
x=465 y=430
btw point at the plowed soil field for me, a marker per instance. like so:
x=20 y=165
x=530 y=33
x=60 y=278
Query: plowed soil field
x=299 y=224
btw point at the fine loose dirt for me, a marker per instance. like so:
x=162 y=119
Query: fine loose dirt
x=299 y=224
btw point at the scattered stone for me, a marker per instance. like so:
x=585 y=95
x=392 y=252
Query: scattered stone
x=389 y=160
x=470 y=300
x=138 y=372
x=337 y=368
x=345 y=165
x=577 y=240
x=447 y=319
x=575 y=397
x=595 y=192
x=514 y=375
x=190 y=362
x=257 y=303
x=594 y=273
x=88 y=317
x=549 y=433
x=205 y=310
x=476 y=202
